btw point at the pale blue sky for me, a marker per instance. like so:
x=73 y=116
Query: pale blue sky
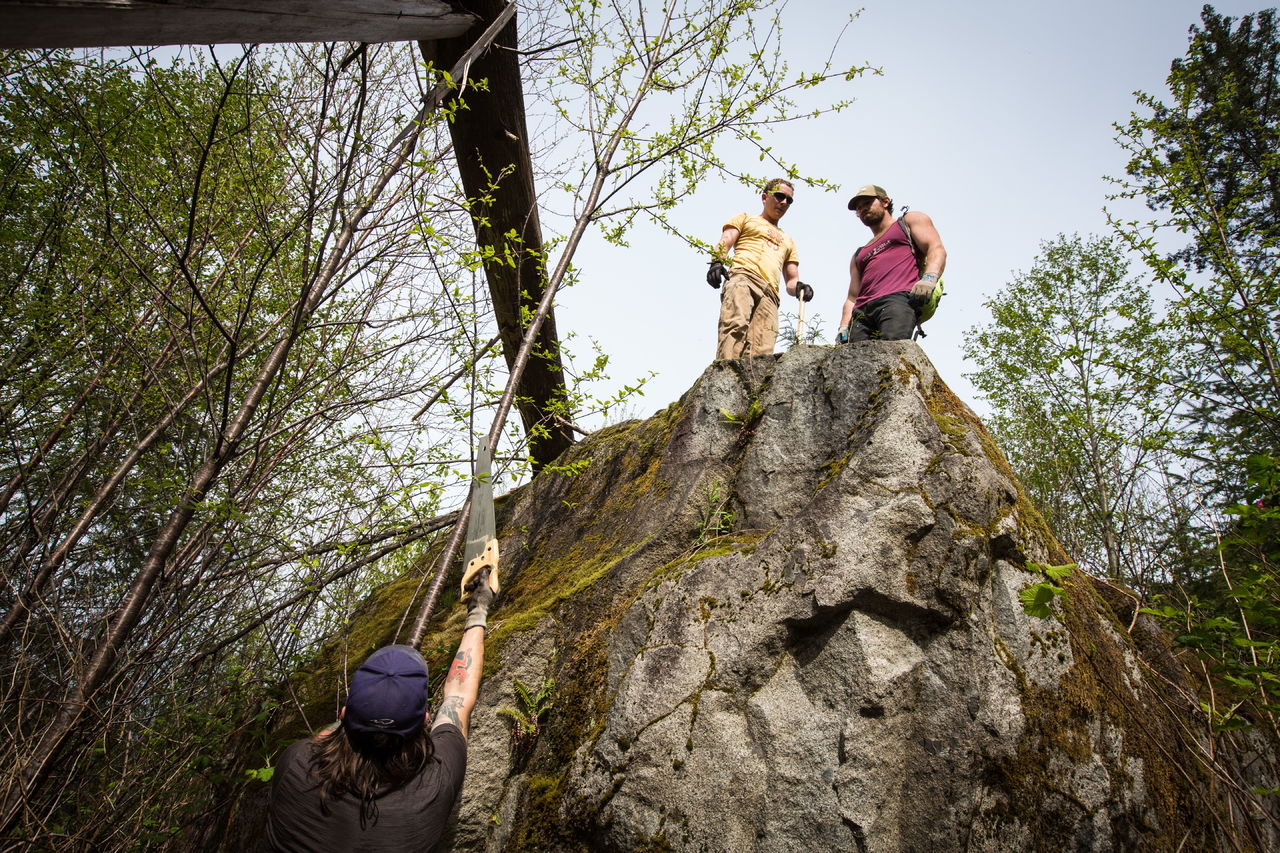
x=994 y=117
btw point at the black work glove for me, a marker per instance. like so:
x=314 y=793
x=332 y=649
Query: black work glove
x=479 y=599
x=716 y=273
x=804 y=291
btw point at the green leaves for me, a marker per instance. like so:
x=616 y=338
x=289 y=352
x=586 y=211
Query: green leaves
x=1149 y=432
x=1071 y=366
x=653 y=93
x=1037 y=599
x=1205 y=162
x=716 y=517
x=1234 y=622
x=533 y=705
x=261 y=774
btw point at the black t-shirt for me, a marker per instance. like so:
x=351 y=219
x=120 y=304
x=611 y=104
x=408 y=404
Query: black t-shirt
x=410 y=818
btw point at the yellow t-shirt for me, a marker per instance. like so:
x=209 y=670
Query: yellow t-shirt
x=762 y=248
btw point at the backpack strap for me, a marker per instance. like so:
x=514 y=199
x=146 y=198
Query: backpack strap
x=919 y=256
x=911 y=241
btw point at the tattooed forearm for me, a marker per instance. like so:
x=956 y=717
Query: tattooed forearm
x=462 y=682
x=448 y=712
x=460 y=668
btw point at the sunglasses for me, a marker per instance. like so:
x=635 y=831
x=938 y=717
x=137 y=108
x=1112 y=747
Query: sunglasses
x=784 y=198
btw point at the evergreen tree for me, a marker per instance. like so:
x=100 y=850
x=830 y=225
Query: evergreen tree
x=1207 y=164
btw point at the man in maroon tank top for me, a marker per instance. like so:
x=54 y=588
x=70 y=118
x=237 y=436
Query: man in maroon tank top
x=885 y=281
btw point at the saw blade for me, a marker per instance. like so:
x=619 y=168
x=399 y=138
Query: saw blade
x=480 y=529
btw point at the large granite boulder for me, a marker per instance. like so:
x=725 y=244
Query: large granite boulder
x=783 y=615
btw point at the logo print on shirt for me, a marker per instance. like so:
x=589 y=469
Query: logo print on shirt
x=877 y=249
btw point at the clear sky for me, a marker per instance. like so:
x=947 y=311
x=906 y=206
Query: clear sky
x=994 y=117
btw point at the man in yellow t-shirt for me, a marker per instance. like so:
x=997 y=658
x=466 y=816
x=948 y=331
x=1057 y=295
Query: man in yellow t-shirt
x=762 y=255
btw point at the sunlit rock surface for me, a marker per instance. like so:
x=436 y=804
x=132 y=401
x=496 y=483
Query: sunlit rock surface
x=783 y=615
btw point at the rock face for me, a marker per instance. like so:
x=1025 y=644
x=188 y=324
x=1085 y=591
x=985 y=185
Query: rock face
x=783 y=615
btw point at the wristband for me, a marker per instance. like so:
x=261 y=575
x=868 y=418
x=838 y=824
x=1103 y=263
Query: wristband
x=931 y=277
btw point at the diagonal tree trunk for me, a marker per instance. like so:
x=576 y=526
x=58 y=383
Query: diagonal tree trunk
x=491 y=143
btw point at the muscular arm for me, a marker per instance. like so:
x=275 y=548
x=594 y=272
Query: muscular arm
x=855 y=285
x=462 y=684
x=926 y=238
x=791 y=274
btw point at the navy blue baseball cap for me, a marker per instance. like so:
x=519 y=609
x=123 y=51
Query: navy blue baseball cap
x=388 y=693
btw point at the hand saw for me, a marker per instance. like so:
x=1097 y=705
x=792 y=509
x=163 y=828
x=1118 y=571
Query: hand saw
x=481 y=551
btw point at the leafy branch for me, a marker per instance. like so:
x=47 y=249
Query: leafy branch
x=1037 y=599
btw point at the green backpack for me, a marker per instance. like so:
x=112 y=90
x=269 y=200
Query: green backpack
x=930 y=305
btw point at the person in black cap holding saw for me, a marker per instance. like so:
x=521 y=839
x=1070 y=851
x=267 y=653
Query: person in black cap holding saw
x=892 y=275
x=382 y=779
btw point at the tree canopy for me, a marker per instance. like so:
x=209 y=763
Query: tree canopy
x=1206 y=164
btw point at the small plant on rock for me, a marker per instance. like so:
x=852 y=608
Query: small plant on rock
x=526 y=720
x=715 y=516
x=1037 y=599
x=747 y=419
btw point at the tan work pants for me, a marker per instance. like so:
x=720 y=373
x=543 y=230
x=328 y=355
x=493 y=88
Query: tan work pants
x=748 y=317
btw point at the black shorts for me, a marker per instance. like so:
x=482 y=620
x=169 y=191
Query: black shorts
x=891 y=317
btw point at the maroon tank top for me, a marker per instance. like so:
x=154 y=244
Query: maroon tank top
x=886 y=266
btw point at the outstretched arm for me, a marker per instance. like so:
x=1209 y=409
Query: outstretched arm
x=462 y=684
x=716 y=272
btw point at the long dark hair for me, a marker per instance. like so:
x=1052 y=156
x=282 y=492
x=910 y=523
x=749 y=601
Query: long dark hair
x=366 y=766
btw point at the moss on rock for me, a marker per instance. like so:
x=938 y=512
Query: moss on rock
x=609 y=540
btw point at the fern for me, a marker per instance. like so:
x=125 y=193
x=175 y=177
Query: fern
x=526 y=720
